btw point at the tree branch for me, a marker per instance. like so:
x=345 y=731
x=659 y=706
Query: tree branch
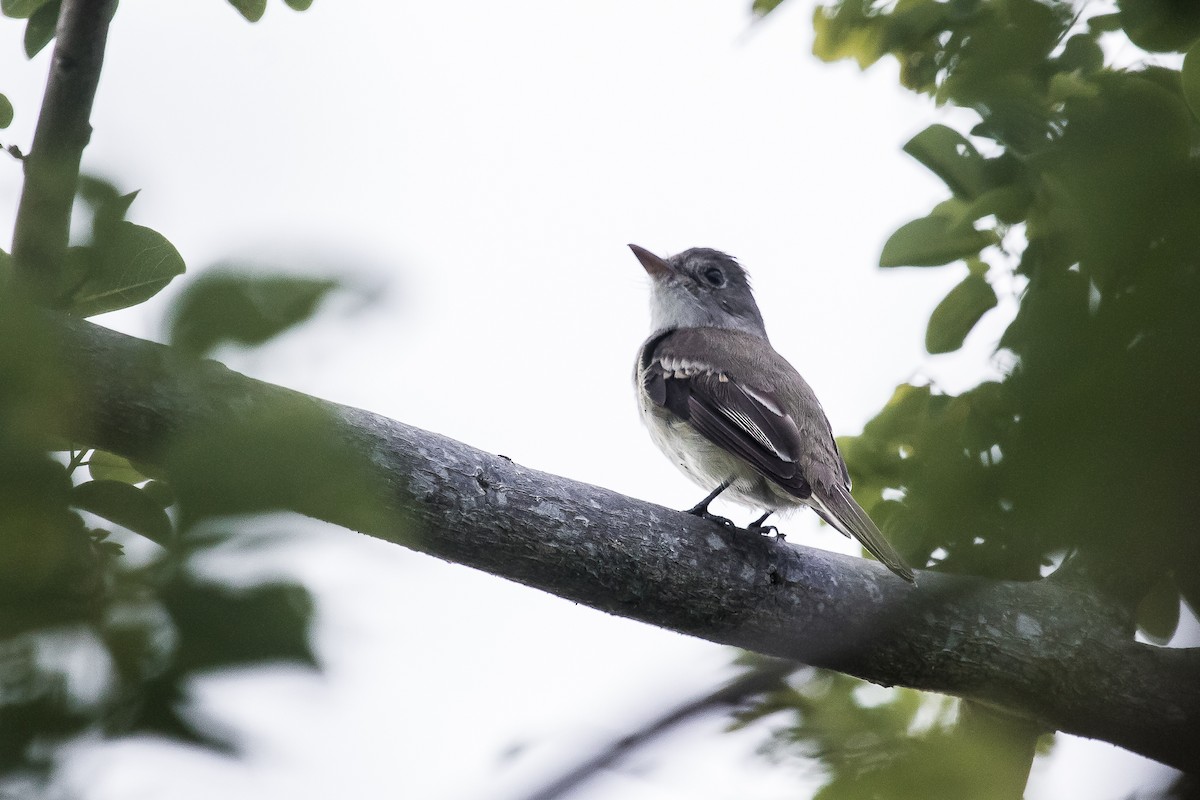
x=1042 y=650
x=758 y=680
x=63 y=130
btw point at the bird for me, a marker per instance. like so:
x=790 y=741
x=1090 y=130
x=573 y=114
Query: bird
x=733 y=413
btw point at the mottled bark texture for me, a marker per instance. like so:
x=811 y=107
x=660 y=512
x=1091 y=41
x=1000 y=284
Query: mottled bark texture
x=1048 y=650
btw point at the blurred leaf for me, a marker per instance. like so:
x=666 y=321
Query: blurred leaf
x=247 y=309
x=1008 y=204
x=949 y=155
x=761 y=8
x=1068 y=85
x=283 y=453
x=161 y=709
x=109 y=213
x=40 y=28
x=932 y=241
x=846 y=31
x=1191 y=79
x=1081 y=53
x=96 y=191
x=128 y=266
x=105 y=466
x=299 y=5
x=1158 y=612
x=20 y=9
x=1105 y=23
x=896 y=744
x=107 y=207
x=160 y=492
x=222 y=627
x=125 y=505
x=250 y=9
x=6 y=112
x=957 y=314
x=1161 y=25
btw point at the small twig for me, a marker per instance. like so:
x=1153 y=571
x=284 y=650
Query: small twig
x=13 y=151
x=762 y=678
x=63 y=130
x=77 y=459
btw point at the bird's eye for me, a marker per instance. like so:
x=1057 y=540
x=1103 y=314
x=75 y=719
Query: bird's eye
x=715 y=277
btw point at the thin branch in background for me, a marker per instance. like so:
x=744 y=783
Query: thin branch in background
x=63 y=130
x=763 y=677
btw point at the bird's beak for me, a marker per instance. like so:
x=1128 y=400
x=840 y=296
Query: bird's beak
x=655 y=266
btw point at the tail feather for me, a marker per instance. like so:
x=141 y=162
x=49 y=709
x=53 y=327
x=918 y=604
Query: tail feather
x=839 y=509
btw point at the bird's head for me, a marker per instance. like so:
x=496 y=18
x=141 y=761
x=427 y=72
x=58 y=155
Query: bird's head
x=699 y=288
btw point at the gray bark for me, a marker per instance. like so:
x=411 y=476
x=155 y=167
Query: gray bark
x=1047 y=650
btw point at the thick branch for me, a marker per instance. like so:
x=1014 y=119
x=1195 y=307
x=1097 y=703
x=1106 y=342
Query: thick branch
x=63 y=130
x=1044 y=650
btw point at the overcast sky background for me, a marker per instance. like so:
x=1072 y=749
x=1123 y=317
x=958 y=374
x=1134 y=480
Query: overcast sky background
x=473 y=170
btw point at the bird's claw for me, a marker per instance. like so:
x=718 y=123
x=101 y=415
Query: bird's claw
x=711 y=517
x=763 y=530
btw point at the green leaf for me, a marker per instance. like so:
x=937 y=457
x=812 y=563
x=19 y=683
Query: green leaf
x=932 y=241
x=231 y=307
x=761 y=8
x=105 y=201
x=20 y=9
x=160 y=492
x=40 y=28
x=1082 y=52
x=1105 y=23
x=250 y=9
x=957 y=314
x=105 y=466
x=6 y=112
x=846 y=31
x=299 y=5
x=222 y=626
x=96 y=191
x=1161 y=25
x=1191 y=79
x=110 y=213
x=1158 y=612
x=125 y=505
x=1067 y=85
x=949 y=155
x=129 y=265
x=1009 y=204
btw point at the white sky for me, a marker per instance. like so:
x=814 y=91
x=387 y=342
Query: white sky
x=477 y=168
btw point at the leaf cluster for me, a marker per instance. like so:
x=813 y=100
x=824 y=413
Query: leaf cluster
x=1088 y=199
x=100 y=555
x=101 y=563
x=877 y=742
x=1080 y=185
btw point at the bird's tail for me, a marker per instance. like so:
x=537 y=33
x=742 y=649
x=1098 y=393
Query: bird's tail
x=839 y=509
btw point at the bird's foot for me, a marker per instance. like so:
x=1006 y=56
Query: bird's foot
x=704 y=513
x=764 y=530
x=759 y=528
x=701 y=508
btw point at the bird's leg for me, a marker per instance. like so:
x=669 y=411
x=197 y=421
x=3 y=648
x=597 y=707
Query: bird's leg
x=701 y=508
x=758 y=527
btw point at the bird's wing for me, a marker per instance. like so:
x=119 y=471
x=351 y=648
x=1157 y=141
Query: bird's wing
x=745 y=420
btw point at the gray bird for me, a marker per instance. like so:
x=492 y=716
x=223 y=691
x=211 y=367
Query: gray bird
x=731 y=412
